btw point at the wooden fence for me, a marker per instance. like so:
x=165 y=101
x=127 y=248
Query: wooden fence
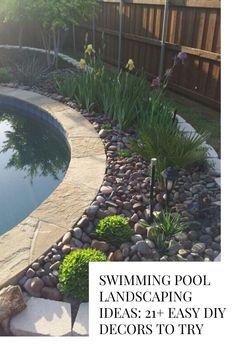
x=136 y=30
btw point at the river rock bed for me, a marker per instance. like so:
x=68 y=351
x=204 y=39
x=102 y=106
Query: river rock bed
x=125 y=191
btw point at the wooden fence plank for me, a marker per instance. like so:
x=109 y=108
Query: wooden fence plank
x=212 y=16
x=192 y=51
x=186 y=3
x=158 y=23
x=216 y=40
x=201 y=26
x=151 y=22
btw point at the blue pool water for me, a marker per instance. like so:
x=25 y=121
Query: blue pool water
x=33 y=160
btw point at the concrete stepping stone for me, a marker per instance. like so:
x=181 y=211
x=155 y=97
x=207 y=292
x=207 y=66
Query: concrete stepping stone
x=43 y=317
x=81 y=323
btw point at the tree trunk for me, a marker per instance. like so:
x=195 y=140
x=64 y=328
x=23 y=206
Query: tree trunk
x=46 y=40
x=56 y=42
x=20 y=36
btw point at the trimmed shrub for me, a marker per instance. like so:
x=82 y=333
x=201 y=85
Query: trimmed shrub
x=114 y=230
x=74 y=272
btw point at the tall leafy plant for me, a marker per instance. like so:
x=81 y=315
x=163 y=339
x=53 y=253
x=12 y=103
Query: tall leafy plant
x=130 y=93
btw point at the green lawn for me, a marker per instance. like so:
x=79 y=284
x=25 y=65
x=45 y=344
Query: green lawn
x=199 y=116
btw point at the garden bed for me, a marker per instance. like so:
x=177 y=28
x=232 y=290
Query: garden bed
x=125 y=191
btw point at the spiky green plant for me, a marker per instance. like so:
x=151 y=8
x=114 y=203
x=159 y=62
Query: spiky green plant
x=164 y=227
x=160 y=138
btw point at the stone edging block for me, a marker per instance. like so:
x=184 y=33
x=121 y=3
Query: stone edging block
x=81 y=323
x=212 y=157
x=43 y=317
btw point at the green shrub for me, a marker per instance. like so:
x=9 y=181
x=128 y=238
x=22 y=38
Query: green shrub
x=5 y=74
x=114 y=230
x=74 y=272
x=124 y=153
x=164 y=227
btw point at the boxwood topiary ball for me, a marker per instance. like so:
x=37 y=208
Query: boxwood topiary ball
x=114 y=230
x=74 y=272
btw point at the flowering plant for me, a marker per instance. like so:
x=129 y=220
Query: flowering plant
x=162 y=82
x=82 y=64
x=89 y=50
x=130 y=65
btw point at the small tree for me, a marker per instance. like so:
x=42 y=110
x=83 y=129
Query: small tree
x=51 y=17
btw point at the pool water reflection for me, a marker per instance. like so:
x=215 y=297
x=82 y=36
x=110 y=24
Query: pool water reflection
x=33 y=160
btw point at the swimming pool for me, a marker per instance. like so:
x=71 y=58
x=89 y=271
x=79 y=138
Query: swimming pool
x=33 y=161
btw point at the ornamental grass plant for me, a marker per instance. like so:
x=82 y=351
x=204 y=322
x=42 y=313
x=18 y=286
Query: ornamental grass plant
x=160 y=138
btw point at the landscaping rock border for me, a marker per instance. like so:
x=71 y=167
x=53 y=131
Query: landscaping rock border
x=125 y=191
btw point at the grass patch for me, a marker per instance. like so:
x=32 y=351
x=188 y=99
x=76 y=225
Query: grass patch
x=200 y=117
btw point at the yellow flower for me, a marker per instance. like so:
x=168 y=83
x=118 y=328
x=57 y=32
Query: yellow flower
x=82 y=64
x=89 y=50
x=130 y=65
x=98 y=73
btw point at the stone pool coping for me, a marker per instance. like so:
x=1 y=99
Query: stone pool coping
x=64 y=57
x=24 y=243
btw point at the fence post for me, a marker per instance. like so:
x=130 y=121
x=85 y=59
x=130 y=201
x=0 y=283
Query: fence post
x=163 y=40
x=93 y=29
x=74 y=38
x=120 y=34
